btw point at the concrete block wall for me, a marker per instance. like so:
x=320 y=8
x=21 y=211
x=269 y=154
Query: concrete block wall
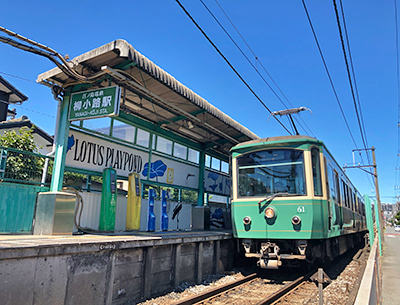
x=109 y=271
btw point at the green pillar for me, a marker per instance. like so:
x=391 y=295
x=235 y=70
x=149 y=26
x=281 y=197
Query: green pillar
x=370 y=222
x=202 y=162
x=61 y=147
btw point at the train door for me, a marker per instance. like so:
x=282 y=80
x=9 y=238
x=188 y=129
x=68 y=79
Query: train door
x=328 y=196
x=339 y=201
x=354 y=209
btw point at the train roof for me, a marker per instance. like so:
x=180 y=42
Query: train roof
x=293 y=139
x=281 y=139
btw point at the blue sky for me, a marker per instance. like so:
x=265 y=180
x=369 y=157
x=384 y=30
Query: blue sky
x=279 y=34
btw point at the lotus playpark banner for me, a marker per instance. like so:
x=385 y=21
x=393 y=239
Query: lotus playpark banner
x=87 y=152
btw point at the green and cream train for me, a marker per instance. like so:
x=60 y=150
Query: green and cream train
x=292 y=202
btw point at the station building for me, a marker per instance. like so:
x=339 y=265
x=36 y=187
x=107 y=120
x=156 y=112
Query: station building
x=173 y=138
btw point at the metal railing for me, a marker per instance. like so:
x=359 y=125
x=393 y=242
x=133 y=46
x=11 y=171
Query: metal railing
x=24 y=166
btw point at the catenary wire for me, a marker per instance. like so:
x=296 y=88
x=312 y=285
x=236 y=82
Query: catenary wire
x=353 y=72
x=349 y=73
x=252 y=65
x=351 y=81
x=327 y=72
x=329 y=76
x=261 y=64
x=230 y=65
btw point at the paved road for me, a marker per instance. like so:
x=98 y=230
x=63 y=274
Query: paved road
x=391 y=268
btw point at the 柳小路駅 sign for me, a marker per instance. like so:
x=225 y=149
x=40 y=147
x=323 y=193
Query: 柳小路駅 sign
x=94 y=103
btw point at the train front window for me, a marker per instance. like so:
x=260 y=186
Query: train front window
x=269 y=172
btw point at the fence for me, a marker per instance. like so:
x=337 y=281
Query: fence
x=21 y=178
x=24 y=167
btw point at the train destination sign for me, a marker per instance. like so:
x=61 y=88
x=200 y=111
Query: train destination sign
x=94 y=103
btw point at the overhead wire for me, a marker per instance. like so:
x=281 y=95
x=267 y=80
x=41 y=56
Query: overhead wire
x=263 y=67
x=229 y=64
x=249 y=61
x=353 y=72
x=352 y=81
x=328 y=74
x=352 y=85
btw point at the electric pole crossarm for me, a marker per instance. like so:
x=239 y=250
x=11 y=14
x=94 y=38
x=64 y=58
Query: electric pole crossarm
x=361 y=167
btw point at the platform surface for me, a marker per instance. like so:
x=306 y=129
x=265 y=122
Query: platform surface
x=28 y=241
x=391 y=268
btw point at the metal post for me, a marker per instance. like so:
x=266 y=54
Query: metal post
x=202 y=163
x=61 y=147
x=378 y=199
x=321 y=286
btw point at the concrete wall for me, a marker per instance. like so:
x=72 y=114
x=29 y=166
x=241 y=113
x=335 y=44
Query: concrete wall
x=370 y=288
x=112 y=270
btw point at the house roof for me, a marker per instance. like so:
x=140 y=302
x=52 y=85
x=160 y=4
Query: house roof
x=24 y=121
x=15 y=96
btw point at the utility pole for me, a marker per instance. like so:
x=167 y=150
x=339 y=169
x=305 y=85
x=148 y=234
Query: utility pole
x=378 y=199
x=375 y=174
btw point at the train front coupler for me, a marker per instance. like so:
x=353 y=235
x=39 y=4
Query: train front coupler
x=269 y=257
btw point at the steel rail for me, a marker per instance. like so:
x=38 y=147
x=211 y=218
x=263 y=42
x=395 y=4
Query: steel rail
x=285 y=290
x=215 y=292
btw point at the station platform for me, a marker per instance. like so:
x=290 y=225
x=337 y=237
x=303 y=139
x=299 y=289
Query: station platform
x=391 y=268
x=111 y=268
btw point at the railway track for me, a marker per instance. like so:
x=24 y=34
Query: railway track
x=256 y=290
x=282 y=287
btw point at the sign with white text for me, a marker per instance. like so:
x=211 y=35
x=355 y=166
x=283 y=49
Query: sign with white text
x=94 y=103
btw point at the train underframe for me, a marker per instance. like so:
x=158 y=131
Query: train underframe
x=274 y=253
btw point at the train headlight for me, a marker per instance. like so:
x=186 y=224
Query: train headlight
x=296 y=220
x=270 y=213
x=246 y=220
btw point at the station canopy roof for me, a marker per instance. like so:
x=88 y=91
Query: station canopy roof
x=155 y=96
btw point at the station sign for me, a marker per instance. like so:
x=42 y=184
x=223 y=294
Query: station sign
x=96 y=103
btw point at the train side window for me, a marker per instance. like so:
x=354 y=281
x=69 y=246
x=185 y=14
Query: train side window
x=344 y=194
x=351 y=205
x=332 y=184
x=337 y=187
x=316 y=168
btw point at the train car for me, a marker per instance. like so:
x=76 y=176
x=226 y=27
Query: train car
x=292 y=202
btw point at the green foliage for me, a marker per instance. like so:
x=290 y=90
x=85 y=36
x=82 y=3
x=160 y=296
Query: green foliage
x=20 y=165
x=23 y=140
x=397 y=217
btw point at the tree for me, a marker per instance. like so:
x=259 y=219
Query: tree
x=21 y=165
x=397 y=217
x=23 y=140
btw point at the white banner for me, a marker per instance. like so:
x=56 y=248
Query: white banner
x=92 y=153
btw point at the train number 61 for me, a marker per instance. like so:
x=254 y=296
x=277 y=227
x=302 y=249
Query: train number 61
x=301 y=209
